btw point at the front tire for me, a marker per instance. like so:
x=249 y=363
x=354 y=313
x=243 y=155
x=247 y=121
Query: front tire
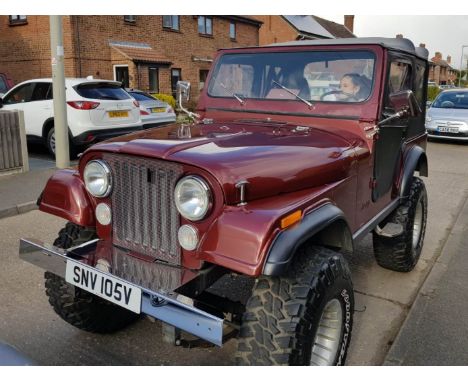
x=302 y=318
x=401 y=253
x=76 y=306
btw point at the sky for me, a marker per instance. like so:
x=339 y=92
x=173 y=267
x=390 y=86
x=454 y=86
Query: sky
x=442 y=33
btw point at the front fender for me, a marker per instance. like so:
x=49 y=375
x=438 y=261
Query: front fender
x=65 y=196
x=326 y=223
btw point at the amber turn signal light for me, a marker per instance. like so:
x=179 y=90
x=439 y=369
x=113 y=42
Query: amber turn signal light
x=291 y=219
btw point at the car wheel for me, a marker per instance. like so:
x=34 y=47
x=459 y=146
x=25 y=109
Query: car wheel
x=302 y=318
x=50 y=143
x=79 y=308
x=402 y=252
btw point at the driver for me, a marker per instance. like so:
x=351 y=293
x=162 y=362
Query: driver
x=353 y=88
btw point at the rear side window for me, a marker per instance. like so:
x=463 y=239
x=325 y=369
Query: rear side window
x=42 y=91
x=400 y=77
x=141 y=96
x=102 y=91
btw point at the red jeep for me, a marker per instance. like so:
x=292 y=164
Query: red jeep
x=240 y=222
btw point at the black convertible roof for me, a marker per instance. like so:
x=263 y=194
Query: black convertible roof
x=401 y=44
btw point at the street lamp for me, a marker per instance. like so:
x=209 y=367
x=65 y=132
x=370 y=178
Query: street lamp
x=461 y=65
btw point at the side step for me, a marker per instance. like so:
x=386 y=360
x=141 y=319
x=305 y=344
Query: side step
x=389 y=230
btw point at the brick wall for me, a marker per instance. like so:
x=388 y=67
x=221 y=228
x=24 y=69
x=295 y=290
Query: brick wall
x=25 y=49
x=275 y=29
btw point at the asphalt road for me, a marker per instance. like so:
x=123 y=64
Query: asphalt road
x=383 y=298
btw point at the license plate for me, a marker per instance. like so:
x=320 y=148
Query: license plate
x=104 y=285
x=446 y=129
x=158 y=109
x=118 y=114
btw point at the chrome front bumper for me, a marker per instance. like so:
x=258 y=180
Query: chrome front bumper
x=158 y=282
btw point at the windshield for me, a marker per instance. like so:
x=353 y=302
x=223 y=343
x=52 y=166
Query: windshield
x=314 y=76
x=452 y=100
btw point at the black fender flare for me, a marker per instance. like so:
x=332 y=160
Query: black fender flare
x=327 y=219
x=416 y=160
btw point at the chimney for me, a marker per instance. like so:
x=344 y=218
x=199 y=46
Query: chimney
x=438 y=56
x=399 y=36
x=449 y=60
x=349 y=22
x=422 y=45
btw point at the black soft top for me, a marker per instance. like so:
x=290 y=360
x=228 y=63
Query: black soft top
x=400 y=44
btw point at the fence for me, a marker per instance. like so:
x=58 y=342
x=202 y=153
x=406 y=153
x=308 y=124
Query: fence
x=13 y=148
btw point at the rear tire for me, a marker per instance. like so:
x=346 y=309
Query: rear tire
x=288 y=318
x=50 y=144
x=77 y=307
x=401 y=253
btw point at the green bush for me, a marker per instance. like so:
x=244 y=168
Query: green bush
x=432 y=92
x=165 y=98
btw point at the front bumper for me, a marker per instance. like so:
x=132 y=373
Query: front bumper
x=158 y=282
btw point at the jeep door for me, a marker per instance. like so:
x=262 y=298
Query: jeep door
x=403 y=73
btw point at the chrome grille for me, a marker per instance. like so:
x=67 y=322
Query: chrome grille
x=145 y=218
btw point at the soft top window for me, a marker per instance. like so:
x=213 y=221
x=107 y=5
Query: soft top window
x=338 y=76
x=101 y=90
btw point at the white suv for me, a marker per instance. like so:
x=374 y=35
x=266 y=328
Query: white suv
x=96 y=110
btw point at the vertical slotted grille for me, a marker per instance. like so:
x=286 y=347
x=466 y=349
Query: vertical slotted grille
x=145 y=217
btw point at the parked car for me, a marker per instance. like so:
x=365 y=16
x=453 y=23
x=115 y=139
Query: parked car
x=263 y=191
x=447 y=116
x=96 y=110
x=6 y=83
x=153 y=112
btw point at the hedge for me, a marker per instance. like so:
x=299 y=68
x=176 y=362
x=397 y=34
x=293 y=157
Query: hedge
x=432 y=92
x=165 y=98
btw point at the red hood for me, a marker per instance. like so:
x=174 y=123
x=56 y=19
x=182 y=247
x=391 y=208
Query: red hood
x=273 y=158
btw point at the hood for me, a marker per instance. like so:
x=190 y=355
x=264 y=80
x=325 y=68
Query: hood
x=450 y=114
x=273 y=158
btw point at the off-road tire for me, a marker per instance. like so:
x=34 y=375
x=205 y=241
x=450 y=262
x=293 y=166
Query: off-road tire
x=398 y=253
x=76 y=306
x=283 y=314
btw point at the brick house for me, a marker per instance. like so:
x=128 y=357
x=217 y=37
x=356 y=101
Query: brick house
x=441 y=71
x=146 y=52
x=289 y=28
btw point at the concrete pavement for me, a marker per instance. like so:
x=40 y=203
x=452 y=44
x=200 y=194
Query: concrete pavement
x=435 y=331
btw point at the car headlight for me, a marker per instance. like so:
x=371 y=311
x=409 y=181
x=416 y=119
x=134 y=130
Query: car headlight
x=192 y=197
x=97 y=178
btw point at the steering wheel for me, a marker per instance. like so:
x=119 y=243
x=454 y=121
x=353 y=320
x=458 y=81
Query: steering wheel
x=349 y=97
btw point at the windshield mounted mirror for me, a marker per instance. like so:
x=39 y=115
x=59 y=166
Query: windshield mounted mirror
x=405 y=103
x=183 y=95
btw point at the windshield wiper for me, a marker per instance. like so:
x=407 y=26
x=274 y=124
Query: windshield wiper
x=233 y=94
x=294 y=94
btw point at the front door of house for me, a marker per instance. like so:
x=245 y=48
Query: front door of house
x=121 y=75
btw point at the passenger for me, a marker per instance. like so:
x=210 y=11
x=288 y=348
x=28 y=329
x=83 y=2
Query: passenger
x=354 y=87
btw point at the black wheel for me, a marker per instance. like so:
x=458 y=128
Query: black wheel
x=402 y=252
x=50 y=144
x=302 y=318
x=76 y=306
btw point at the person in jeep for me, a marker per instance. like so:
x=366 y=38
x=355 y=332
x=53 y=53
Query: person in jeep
x=241 y=221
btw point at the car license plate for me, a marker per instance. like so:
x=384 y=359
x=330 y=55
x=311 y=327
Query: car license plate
x=104 y=285
x=446 y=129
x=118 y=114
x=158 y=109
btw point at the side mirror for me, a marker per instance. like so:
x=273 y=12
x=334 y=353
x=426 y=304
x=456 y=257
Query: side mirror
x=183 y=94
x=428 y=104
x=405 y=102
x=183 y=91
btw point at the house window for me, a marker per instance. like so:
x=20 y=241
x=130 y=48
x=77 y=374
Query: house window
x=176 y=76
x=232 y=31
x=171 y=22
x=205 y=25
x=203 y=76
x=121 y=75
x=18 y=19
x=153 y=74
x=130 y=19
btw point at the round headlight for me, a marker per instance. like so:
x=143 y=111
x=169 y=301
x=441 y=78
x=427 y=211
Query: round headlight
x=192 y=197
x=97 y=178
